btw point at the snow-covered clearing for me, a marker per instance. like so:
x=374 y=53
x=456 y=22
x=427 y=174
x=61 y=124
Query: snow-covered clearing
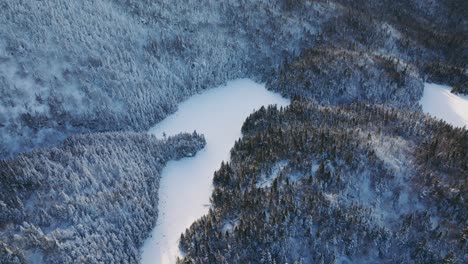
x=439 y=102
x=186 y=184
x=266 y=180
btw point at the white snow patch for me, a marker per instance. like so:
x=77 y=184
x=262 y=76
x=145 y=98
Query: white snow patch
x=314 y=168
x=295 y=176
x=35 y=256
x=186 y=184
x=392 y=151
x=439 y=102
x=331 y=197
x=435 y=222
x=267 y=180
x=229 y=225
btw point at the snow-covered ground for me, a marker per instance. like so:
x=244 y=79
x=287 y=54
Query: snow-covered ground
x=186 y=184
x=439 y=102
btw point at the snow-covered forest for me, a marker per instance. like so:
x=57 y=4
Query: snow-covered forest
x=353 y=171
x=69 y=67
x=93 y=199
x=354 y=184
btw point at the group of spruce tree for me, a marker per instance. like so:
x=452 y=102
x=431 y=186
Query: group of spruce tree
x=350 y=184
x=70 y=67
x=93 y=199
x=332 y=178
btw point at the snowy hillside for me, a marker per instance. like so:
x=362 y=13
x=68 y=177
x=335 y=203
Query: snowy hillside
x=91 y=200
x=358 y=184
x=352 y=171
x=69 y=67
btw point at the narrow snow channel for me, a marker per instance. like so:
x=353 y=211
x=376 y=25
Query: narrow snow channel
x=186 y=184
x=439 y=102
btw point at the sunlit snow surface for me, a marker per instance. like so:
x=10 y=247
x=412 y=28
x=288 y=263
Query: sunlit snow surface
x=439 y=102
x=186 y=185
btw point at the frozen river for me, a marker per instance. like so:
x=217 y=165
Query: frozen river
x=186 y=184
x=439 y=102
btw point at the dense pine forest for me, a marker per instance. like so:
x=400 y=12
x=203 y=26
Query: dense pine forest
x=93 y=199
x=70 y=67
x=351 y=172
x=354 y=184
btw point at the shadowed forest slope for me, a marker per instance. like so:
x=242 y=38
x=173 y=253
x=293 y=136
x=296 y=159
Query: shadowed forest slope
x=354 y=184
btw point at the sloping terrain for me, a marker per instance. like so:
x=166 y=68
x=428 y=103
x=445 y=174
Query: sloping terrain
x=69 y=67
x=355 y=184
x=359 y=183
x=337 y=76
x=91 y=200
